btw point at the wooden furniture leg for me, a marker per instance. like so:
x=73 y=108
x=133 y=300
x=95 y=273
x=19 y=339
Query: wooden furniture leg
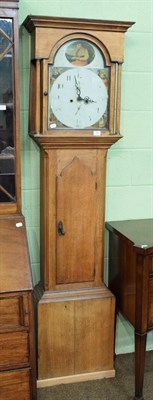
x=140 y=349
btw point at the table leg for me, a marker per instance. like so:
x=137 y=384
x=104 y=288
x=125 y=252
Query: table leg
x=140 y=350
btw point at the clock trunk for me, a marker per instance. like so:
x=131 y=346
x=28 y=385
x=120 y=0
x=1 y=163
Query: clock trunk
x=73 y=182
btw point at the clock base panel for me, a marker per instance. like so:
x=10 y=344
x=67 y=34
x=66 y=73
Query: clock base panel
x=75 y=336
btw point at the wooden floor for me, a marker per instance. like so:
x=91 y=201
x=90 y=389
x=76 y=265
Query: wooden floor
x=119 y=388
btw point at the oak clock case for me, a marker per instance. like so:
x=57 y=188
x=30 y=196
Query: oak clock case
x=17 y=361
x=74 y=117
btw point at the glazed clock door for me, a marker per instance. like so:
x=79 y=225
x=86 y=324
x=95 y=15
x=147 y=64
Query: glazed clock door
x=76 y=223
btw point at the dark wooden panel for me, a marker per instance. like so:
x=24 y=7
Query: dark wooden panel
x=122 y=274
x=10 y=312
x=14 y=349
x=150 y=312
x=151 y=264
x=15 y=385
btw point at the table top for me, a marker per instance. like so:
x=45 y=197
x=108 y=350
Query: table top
x=139 y=232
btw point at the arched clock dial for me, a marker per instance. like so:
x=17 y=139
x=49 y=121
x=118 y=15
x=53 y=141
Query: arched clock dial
x=78 y=98
x=74 y=51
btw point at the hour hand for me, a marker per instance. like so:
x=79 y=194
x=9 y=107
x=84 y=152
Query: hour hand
x=88 y=100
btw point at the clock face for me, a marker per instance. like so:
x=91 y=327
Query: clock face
x=78 y=88
x=78 y=98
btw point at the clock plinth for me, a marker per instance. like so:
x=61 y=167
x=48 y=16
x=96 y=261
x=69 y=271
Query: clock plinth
x=75 y=336
x=74 y=118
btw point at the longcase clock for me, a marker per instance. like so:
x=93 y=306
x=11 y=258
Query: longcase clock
x=74 y=118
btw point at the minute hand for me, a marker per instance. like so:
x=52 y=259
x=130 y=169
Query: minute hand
x=78 y=90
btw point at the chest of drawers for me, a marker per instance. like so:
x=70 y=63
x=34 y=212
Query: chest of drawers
x=17 y=350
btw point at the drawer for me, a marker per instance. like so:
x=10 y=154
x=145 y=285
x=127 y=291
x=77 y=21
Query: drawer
x=15 y=385
x=14 y=349
x=14 y=312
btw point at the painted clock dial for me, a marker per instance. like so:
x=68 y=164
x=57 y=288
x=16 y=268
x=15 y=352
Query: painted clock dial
x=78 y=98
x=78 y=87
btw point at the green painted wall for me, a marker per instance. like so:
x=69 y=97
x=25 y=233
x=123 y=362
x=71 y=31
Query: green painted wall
x=129 y=192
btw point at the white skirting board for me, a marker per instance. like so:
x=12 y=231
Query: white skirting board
x=41 y=383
